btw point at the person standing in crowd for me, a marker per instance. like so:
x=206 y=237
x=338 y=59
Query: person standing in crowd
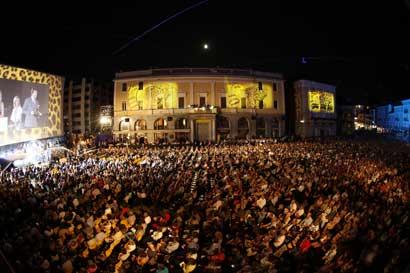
x=31 y=110
x=16 y=114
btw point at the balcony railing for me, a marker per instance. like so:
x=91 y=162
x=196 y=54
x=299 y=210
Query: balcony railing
x=171 y=111
x=178 y=111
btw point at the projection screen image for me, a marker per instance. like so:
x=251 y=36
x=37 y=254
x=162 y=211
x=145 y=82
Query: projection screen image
x=320 y=101
x=23 y=107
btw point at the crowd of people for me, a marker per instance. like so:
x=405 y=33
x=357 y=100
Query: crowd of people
x=338 y=206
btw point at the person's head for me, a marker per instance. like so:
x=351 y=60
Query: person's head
x=16 y=101
x=34 y=93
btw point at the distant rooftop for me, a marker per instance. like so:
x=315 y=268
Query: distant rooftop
x=197 y=72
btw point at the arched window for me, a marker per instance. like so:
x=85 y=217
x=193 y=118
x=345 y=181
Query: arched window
x=160 y=124
x=140 y=124
x=260 y=127
x=275 y=127
x=124 y=125
x=182 y=123
x=223 y=127
x=243 y=127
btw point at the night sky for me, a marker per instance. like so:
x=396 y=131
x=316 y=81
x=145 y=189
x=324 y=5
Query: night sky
x=362 y=48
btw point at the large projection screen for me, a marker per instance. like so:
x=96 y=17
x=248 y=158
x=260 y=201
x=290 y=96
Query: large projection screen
x=30 y=105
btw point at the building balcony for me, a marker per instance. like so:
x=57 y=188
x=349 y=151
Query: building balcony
x=166 y=112
x=199 y=110
x=116 y=131
x=249 y=111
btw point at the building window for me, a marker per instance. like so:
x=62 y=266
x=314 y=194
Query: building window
x=202 y=101
x=181 y=123
x=140 y=85
x=181 y=103
x=124 y=87
x=139 y=105
x=274 y=86
x=260 y=127
x=275 y=104
x=124 y=106
x=260 y=86
x=223 y=102
x=243 y=128
x=243 y=102
x=140 y=124
x=261 y=104
x=160 y=124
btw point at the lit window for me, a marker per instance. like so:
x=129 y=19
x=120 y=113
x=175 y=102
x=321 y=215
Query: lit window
x=223 y=102
x=202 y=101
x=181 y=102
x=243 y=102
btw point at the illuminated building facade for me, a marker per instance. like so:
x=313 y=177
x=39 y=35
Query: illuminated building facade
x=315 y=109
x=394 y=118
x=198 y=104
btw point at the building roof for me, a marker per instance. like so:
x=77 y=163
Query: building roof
x=314 y=84
x=179 y=72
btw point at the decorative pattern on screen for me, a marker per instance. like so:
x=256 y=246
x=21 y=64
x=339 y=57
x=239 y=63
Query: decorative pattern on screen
x=40 y=114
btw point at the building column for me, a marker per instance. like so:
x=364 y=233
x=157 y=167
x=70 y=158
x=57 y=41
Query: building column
x=234 y=126
x=192 y=130
x=212 y=98
x=191 y=93
x=252 y=127
x=268 y=127
x=149 y=98
x=213 y=130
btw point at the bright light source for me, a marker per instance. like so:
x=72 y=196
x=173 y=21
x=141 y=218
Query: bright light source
x=206 y=46
x=302 y=121
x=104 y=120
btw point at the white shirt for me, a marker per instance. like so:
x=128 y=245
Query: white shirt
x=16 y=115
